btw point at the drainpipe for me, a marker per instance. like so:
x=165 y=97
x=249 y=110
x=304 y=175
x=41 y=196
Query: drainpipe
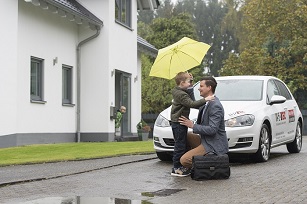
x=79 y=79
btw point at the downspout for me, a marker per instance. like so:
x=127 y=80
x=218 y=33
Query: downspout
x=79 y=79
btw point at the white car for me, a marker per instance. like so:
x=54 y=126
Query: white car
x=260 y=113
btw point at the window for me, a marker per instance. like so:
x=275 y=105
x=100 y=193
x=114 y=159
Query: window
x=36 y=79
x=271 y=90
x=67 y=84
x=123 y=12
x=283 y=90
x=239 y=90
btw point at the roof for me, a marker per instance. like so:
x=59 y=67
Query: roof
x=70 y=9
x=146 y=47
x=81 y=15
x=74 y=8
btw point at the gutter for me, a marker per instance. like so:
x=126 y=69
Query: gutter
x=74 y=8
x=98 y=28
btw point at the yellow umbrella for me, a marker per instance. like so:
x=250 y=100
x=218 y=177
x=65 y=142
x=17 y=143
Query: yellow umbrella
x=178 y=57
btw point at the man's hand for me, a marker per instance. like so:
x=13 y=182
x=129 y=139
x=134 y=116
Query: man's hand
x=210 y=98
x=184 y=121
x=191 y=79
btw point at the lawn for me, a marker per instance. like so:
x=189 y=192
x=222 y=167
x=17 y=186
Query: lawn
x=71 y=151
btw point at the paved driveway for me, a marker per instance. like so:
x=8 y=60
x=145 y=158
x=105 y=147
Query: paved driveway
x=283 y=179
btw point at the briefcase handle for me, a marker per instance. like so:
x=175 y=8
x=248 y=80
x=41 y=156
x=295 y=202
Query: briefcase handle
x=211 y=152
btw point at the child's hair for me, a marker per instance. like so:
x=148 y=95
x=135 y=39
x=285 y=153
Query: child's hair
x=123 y=108
x=181 y=76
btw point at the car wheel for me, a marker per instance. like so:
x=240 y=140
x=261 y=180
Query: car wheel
x=296 y=145
x=164 y=156
x=263 y=153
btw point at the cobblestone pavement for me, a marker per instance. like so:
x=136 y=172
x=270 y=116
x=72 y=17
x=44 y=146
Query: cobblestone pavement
x=283 y=179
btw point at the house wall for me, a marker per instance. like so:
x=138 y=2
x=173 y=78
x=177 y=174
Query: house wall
x=96 y=86
x=117 y=51
x=124 y=57
x=46 y=37
x=8 y=70
x=32 y=31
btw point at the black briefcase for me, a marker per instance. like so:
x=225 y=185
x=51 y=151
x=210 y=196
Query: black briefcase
x=210 y=166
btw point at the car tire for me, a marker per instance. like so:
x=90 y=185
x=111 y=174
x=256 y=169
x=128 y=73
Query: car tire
x=263 y=153
x=296 y=145
x=164 y=156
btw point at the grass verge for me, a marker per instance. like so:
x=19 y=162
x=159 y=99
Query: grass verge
x=43 y=153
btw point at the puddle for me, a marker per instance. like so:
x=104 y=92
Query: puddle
x=101 y=200
x=84 y=200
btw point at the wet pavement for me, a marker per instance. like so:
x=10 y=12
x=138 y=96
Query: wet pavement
x=145 y=179
x=35 y=172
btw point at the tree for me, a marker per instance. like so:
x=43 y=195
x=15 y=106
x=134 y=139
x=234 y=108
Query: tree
x=198 y=19
x=208 y=17
x=156 y=92
x=165 y=10
x=146 y=16
x=275 y=42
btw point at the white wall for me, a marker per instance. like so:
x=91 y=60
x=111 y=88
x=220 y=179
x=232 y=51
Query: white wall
x=8 y=68
x=123 y=52
x=97 y=92
x=45 y=35
x=32 y=31
x=117 y=50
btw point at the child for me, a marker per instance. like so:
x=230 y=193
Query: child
x=119 y=115
x=183 y=100
x=118 y=122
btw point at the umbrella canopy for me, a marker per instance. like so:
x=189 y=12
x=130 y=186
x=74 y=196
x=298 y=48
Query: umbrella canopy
x=178 y=57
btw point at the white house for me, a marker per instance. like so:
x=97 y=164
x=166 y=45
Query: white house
x=66 y=66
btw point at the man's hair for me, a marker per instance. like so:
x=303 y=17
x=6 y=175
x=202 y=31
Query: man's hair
x=181 y=76
x=210 y=81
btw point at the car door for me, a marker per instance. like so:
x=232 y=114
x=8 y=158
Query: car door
x=290 y=107
x=277 y=114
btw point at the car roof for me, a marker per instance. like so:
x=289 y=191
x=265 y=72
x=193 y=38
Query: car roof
x=253 y=77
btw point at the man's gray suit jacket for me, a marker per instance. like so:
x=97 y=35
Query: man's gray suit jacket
x=210 y=126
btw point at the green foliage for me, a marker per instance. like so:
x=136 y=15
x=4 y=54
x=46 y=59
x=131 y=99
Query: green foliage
x=211 y=29
x=247 y=37
x=144 y=30
x=166 y=31
x=142 y=125
x=156 y=92
x=165 y=10
x=145 y=16
x=208 y=17
x=275 y=42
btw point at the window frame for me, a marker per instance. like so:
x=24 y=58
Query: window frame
x=67 y=84
x=38 y=94
x=123 y=12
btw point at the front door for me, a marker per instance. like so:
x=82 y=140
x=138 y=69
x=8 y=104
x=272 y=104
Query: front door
x=123 y=98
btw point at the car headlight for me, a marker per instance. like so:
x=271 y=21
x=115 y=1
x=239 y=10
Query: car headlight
x=244 y=120
x=162 y=121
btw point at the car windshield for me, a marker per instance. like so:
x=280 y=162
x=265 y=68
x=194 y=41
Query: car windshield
x=236 y=90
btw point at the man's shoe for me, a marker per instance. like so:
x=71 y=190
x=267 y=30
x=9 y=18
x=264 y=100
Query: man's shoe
x=181 y=172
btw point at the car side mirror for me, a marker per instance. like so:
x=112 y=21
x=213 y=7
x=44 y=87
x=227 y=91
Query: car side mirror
x=277 y=99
